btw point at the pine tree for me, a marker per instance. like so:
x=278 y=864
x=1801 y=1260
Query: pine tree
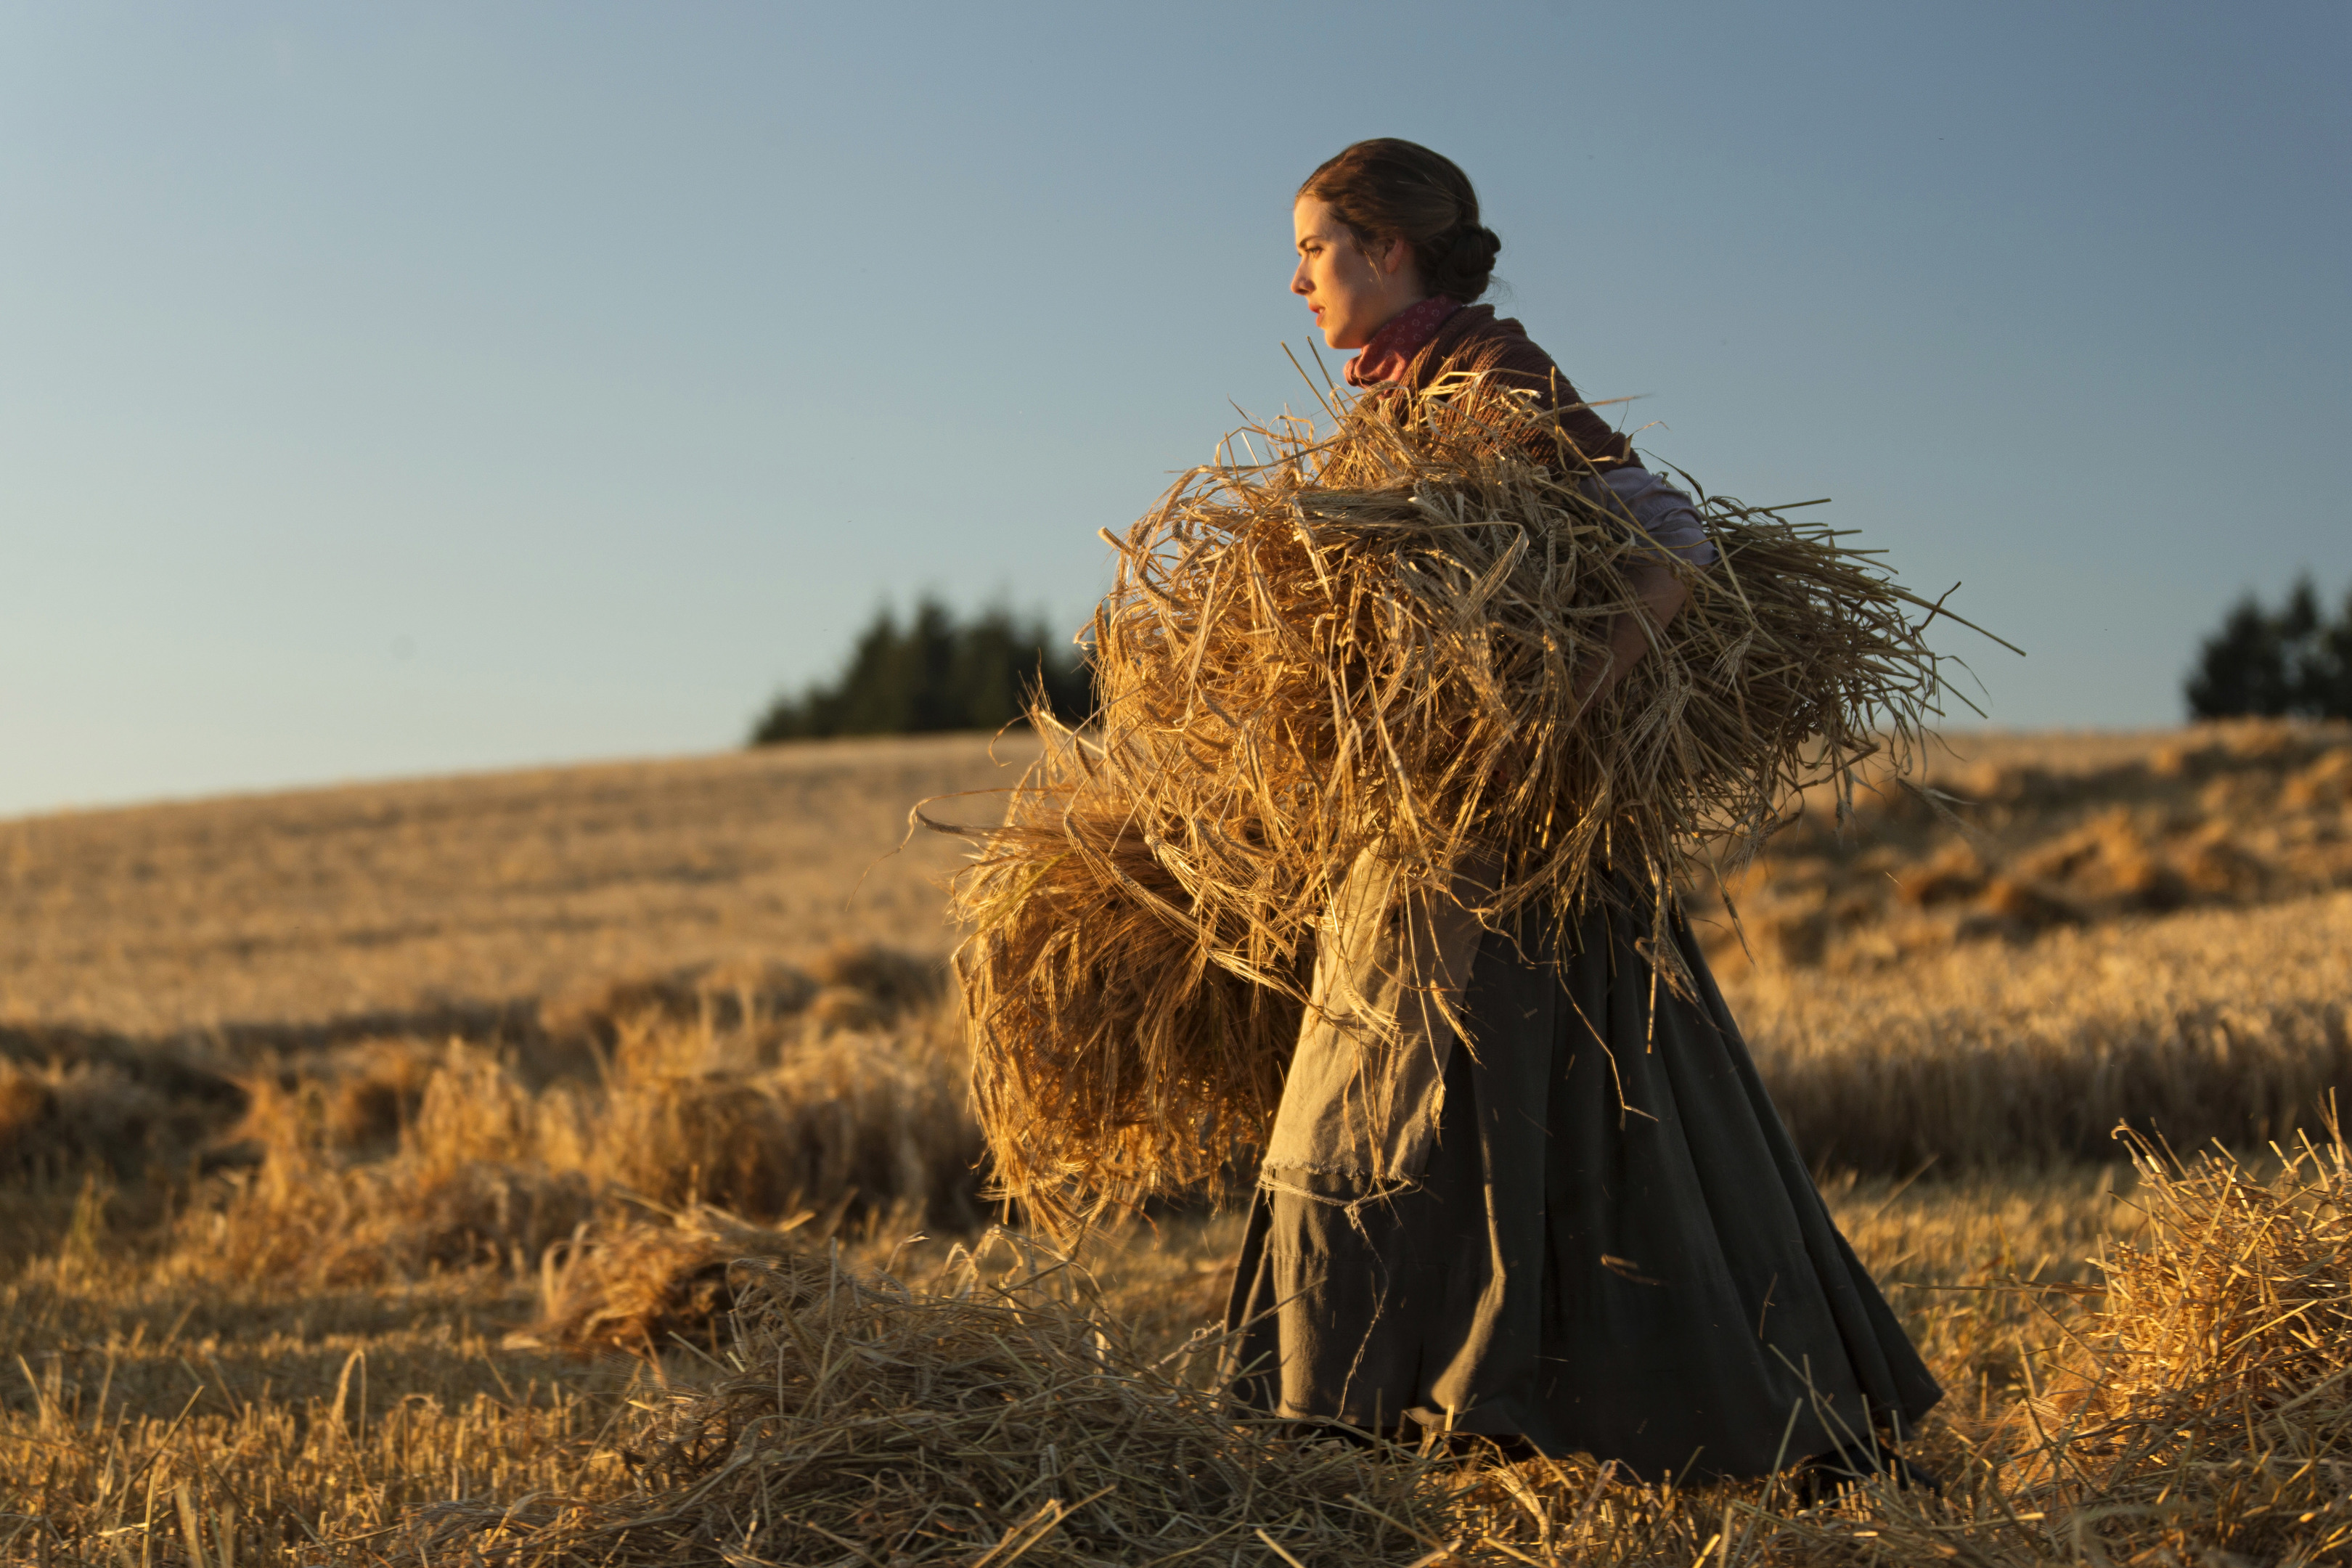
x=2275 y=663
x=2323 y=676
x=933 y=674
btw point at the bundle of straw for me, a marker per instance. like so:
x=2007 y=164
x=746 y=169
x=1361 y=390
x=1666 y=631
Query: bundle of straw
x=1386 y=635
x=1111 y=1002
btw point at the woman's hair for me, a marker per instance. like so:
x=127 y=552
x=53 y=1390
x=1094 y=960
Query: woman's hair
x=1385 y=189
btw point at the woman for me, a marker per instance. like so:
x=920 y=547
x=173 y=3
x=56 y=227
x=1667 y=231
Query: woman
x=1597 y=1238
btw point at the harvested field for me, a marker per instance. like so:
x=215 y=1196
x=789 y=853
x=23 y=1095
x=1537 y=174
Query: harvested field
x=375 y=1166
x=446 y=894
x=2029 y=834
x=269 y=1421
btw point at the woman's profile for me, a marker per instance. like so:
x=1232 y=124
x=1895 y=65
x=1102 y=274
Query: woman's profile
x=1610 y=1243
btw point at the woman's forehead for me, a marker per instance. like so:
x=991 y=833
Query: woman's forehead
x=1310 y=216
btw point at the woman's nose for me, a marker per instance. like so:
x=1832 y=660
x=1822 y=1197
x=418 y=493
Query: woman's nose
x=1298 y=279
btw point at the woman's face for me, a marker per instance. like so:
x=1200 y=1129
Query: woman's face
x=1353 y=294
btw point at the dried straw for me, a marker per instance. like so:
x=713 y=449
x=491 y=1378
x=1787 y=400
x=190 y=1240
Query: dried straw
x=862 y=1422
x=2217 y=1377
x=1384 y=635
x=641 y=1286
x=2200 y=1413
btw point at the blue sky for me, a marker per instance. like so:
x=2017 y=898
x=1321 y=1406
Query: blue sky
x=402 y=389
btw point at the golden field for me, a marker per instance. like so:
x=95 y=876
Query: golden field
x=404 y=897
x=378 y=1167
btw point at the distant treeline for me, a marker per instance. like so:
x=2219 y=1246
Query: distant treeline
x=2288 y=662
x=934 y=672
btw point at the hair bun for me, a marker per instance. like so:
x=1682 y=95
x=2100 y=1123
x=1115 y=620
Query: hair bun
x=1465 y=263
x=1477 y=245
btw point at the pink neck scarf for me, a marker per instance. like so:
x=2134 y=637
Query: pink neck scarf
x=1393 y=347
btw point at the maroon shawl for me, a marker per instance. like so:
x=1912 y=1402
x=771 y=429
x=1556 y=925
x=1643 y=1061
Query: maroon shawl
x=1438 y=337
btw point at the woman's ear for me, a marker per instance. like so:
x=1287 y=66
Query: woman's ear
x=1396 y=258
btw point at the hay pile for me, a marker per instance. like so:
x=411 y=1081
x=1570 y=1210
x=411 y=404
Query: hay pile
x=1385 y=636
x=2242 y=1302
x=857 y=1421
x=2200 y=1413
x=641 y=1286
x=2210 y=1408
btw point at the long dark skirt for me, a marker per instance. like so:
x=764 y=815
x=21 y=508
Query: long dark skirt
x=1615 y=1251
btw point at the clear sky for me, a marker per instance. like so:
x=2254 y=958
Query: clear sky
x=407 y=388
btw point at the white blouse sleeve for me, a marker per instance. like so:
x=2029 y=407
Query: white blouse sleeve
x=1659 y=510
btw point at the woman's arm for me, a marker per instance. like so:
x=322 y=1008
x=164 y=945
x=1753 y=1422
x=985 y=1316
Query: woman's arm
x=1663 y=594
x=1666 y=517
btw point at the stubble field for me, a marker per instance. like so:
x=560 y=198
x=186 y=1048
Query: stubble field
x=379 y=1167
